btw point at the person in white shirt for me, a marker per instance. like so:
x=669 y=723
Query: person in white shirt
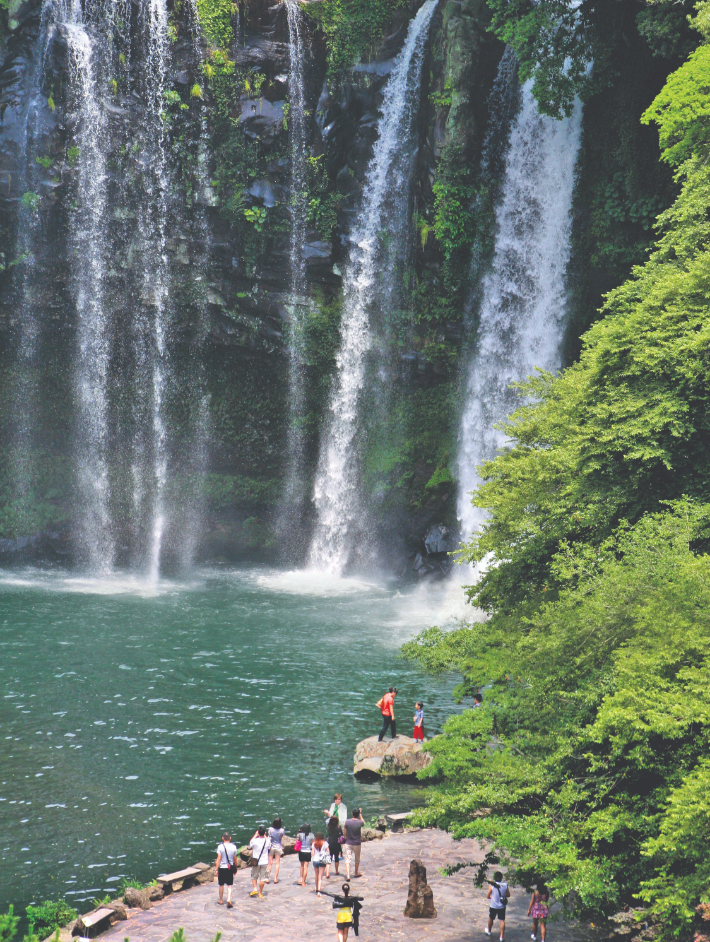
x=260 y=845
x=498 y=894
x=338 y=808
x=224 y=868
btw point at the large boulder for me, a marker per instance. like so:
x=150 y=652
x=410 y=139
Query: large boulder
x=420 y=900
x=392 y=758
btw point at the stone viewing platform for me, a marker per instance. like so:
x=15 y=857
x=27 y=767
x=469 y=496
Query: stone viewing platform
x=290 y=913
x=392 y=758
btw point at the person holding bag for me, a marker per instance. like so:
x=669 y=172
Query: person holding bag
x=320 y=857
x=225 y=866
x=305 y=839
x=260 y=845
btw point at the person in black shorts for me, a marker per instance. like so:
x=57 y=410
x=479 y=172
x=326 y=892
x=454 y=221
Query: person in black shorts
x=224 y=867
x=334 y=831
x=498 y=894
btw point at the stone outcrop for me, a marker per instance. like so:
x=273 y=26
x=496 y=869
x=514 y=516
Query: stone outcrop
x=420 y=900
x=398 y=758
x=120 y=912
x=137 y=899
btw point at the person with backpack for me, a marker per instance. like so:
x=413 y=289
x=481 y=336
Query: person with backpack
x=539 y=909
x=386 y=705
x=224 y=866
x=498 y=894
x=260 y=845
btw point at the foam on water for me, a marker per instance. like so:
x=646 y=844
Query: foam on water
x=115 y=583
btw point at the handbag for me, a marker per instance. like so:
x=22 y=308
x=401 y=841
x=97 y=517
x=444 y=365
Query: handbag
x=233 y=865
x=341 y=839
x=254 y=861
x=297 y=846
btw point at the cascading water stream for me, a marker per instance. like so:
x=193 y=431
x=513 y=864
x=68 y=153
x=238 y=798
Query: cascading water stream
x=294 y=494
x=89 y=252
x=523 y=296
x=336 y=494
x=153 y=221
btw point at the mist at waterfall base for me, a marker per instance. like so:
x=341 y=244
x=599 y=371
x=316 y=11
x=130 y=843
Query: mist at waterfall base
x=138 y=723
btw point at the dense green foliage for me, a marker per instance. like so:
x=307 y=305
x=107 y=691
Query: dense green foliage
x=557 y=41
x=48 y=916
x=216 y=20
x=352 y=28
x=591 y=751
x=591 y=755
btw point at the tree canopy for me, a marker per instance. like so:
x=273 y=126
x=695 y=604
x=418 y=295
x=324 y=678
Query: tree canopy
x=589 y=764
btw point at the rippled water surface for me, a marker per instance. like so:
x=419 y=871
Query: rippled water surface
x=137 y=722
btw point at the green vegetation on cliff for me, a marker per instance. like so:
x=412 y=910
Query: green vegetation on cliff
x=352 y=28
x=593 y=749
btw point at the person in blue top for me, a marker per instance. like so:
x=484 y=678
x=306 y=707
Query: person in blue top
x=418 y=733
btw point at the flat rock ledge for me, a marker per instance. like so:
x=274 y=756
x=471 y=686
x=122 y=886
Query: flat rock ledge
x=392 y=758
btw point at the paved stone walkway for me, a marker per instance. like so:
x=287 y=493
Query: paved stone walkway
x=290 y=913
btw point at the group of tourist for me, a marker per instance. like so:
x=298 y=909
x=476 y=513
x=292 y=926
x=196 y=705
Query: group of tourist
x=341 y=839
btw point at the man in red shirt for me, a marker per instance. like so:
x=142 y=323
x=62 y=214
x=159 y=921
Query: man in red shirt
x=386 y=704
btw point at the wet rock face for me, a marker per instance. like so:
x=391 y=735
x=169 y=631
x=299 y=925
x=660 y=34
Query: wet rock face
x=242 y=287
x=398 y=758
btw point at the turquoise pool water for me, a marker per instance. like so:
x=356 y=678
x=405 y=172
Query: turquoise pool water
x=137 y=722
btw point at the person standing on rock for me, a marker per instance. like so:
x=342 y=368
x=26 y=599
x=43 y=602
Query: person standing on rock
x=224 y=868
x=418 y=733
x=353 y=841
x=276 y=833
x=498 y=894
x=338 y=807
x=386 y=704
x=260 y=845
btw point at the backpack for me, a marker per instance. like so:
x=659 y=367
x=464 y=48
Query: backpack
x=379 y=703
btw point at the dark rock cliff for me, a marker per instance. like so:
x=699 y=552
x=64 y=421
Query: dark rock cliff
x=229 y=269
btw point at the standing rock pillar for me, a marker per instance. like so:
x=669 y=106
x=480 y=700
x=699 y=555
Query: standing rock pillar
x=420 y=901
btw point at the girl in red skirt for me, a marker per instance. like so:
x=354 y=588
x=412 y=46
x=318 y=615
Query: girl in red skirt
x=418 y=722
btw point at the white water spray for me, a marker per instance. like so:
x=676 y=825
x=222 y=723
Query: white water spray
x=336 y=494
x=294 y=492
x=88 y=237
x=523 y=297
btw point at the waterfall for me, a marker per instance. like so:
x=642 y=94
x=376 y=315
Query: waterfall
x=294 y=494
x=88 y=255
x=523 y=296
x=336 y=496
x=153 y=220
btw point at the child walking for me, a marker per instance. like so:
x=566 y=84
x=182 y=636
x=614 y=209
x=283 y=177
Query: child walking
x=418 y=733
